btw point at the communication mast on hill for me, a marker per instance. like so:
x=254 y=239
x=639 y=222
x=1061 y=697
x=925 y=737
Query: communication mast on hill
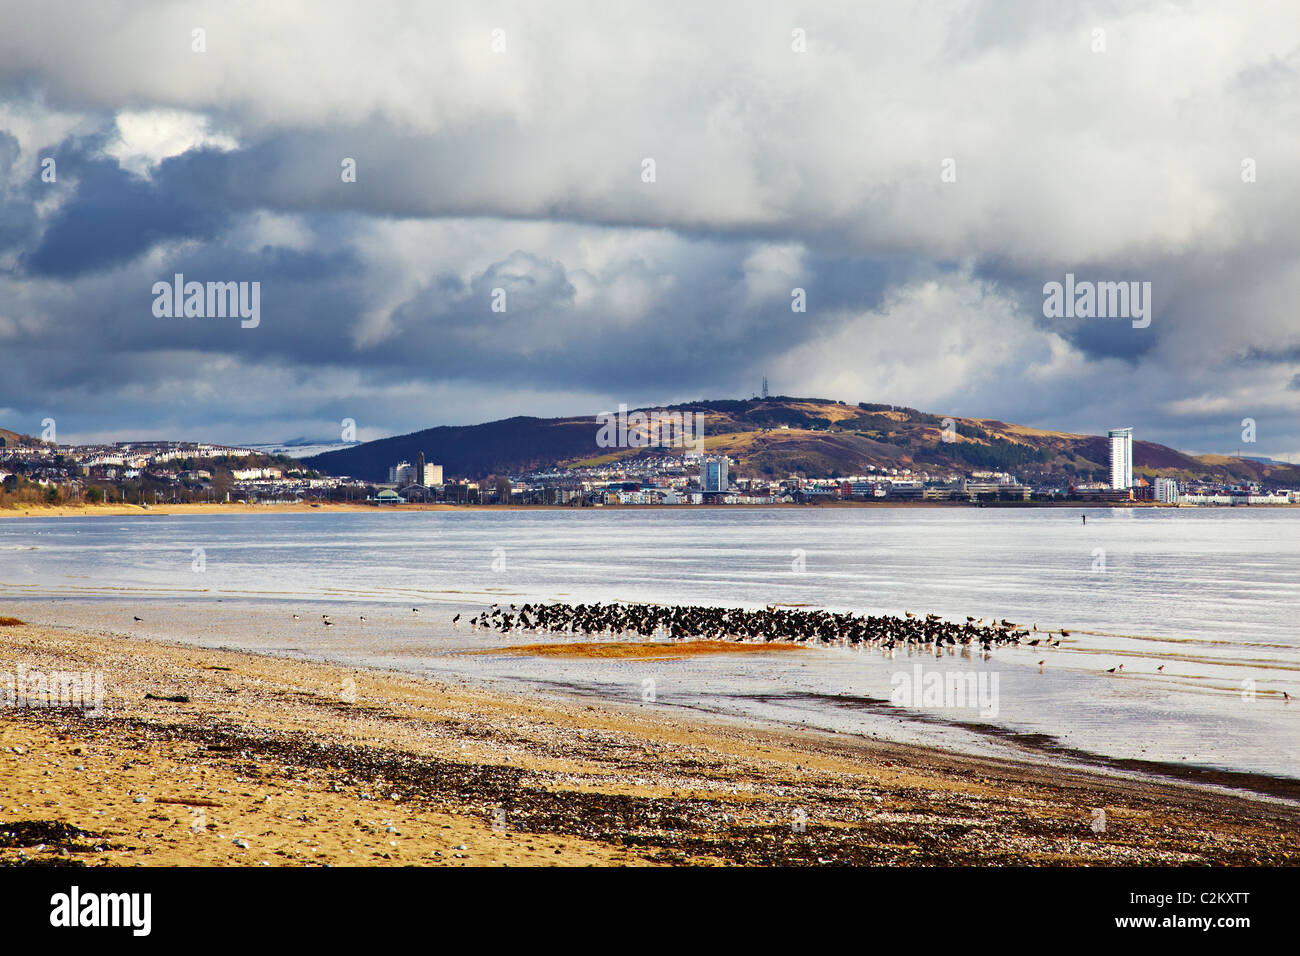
x=765 y=386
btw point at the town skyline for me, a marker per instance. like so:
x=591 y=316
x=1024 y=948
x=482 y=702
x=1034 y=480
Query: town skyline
x=348 y=430
x=764 y=451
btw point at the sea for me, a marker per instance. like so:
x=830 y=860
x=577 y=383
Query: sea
x=1200 y=606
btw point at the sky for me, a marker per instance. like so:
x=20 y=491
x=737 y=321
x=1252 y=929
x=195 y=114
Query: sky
x=561 y=207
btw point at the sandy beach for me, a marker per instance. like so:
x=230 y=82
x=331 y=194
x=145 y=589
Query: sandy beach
x=230 y=758
x=335 y=507
x=120 y=510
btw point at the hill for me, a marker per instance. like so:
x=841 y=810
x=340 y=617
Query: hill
x=511 y=445
x=10 y=439
x=779 y=436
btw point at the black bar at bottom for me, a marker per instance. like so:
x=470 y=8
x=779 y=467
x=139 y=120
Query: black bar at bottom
x=297 y=906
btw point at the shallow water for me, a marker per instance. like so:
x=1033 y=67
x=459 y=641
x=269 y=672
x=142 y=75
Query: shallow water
x=1211 y=594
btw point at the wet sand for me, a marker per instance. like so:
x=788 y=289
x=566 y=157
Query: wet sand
x=641 y=650
x=264 y=761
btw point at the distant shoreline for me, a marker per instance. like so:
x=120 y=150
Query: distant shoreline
x=123 y=511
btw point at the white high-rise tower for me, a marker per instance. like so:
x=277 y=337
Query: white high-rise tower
x=1121 y=458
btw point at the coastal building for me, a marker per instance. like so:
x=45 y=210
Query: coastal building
x=1107 y=494
x=1121 y=458
x=713 y=475
x=1167 y=491
x=994 y=490
x=421 y=473
x=906 y=489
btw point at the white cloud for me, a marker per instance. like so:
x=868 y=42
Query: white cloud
x=145 y=138
x=932 y=345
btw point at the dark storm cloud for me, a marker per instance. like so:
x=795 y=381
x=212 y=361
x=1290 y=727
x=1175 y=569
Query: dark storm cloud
x=1094 y=337
x=113 y=217
x=17 y=212
x=308 y=300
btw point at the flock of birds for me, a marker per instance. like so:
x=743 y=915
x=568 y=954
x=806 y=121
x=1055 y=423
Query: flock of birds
x=771 y=624
x=768 y=625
